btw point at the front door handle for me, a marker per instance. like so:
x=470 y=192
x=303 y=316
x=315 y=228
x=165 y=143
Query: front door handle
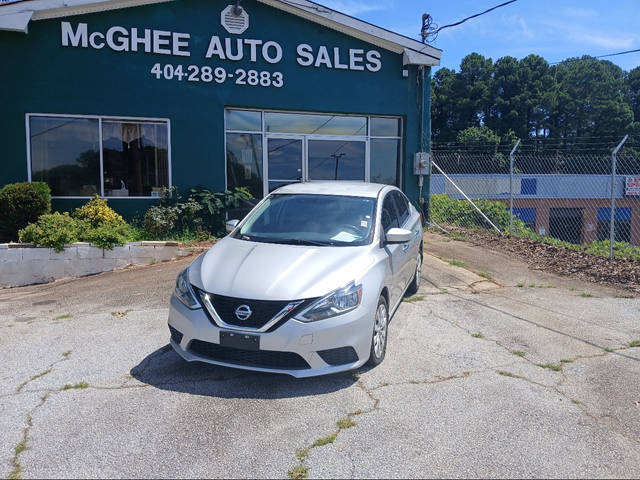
x=405 y=247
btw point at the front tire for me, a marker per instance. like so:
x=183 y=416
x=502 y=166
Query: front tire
x=379 y=337
x=413 y=287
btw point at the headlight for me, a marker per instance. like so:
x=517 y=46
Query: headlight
x=338 y=302
x=183 y=290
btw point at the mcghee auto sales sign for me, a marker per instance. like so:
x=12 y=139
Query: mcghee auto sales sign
x=632 y=187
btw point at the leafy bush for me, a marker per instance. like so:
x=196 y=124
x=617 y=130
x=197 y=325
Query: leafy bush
x=52 y=230
x=202 y=211
x=106 y=236
x=451 y=211
x=94 y=222
x=160 y=220
x=445 y=209
x=20 y=205
x=96 y=213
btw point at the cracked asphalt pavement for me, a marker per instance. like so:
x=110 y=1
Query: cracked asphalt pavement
x=515 y=375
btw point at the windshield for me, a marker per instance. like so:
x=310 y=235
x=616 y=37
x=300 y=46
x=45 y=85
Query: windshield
x=311 y=220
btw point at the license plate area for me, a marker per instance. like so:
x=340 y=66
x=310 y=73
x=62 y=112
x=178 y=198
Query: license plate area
x=239 y=340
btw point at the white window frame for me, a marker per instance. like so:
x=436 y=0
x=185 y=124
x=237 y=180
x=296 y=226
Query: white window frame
x=100 y=118
x=312 y=136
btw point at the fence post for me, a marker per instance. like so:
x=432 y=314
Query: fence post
x=513 y=150
x=612 y=214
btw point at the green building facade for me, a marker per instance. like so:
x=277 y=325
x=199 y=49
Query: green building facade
x=122 y=99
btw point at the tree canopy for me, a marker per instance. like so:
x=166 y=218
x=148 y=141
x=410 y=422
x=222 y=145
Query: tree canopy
x=579 y=98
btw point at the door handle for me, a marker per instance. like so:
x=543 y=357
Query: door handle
x=405 y=247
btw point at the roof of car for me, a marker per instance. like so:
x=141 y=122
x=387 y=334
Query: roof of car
x=351 y=189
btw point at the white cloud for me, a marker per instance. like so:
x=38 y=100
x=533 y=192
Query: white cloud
x=579 y=12
x=355 y=7
x=519 y=21
x=608 y=41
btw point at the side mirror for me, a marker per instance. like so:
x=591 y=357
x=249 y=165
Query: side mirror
x=231 y=225
x=398 y=235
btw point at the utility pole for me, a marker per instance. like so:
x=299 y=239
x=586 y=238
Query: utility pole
x=337 y=156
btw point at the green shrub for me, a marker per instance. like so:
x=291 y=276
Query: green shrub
x=620 y=250
x=202 y=211
x=160 y=220
x=445 y=209
x=20 y=205
x=96 y=213
x=106 y=236
x=53 y=230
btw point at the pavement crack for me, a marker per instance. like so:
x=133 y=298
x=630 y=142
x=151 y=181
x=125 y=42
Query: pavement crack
x=438 y=379
x=301 y=470
x=16 y=472
x=581 y=406
x=48 y=370
x=531 y=322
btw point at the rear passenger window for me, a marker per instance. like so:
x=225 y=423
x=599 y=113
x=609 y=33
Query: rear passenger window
x=389 y=217
x=403 y=206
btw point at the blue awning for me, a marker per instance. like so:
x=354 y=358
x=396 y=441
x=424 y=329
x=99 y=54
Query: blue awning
x=525 y=214
x=622 y=214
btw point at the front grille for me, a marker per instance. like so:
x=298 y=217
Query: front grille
x=176 y=336
x=262 y=311
x=339 y=356
x=249 y=358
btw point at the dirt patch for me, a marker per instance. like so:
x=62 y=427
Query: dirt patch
x=618 y=273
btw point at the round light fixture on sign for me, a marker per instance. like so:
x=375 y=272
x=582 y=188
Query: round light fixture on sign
x=232 y=22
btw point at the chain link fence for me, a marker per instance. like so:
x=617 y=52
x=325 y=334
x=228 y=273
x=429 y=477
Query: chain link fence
x=582 y=194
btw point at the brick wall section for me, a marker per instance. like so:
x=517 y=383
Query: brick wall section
x=589 y=208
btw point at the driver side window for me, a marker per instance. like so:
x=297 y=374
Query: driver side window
x=389 y=217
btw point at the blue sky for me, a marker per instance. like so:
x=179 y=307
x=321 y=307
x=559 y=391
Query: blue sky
x=554 y=30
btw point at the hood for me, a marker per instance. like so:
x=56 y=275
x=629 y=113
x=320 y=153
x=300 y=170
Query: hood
x=264 y=271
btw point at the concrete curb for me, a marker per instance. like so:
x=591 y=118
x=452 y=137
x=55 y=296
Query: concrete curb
x=25 y=264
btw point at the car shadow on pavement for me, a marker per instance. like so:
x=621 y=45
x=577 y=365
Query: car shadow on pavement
x=166 y=370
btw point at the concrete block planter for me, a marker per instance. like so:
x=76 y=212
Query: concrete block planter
x=24 y=264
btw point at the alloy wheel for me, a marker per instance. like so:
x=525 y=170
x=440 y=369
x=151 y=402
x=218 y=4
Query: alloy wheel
x=380 y=330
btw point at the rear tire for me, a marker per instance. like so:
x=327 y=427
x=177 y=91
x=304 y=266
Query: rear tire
x=379 y=337
x=413 y=287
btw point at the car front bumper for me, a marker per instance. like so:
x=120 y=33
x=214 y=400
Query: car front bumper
x=353 y=329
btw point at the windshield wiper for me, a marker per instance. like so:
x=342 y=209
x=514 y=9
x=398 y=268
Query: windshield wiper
x=286 y=241
x=296 y=241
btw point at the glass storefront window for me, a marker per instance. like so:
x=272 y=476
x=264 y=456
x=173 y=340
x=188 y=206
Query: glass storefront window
x=302 y=147
x=244 y=162
x=385 y=127
x=243 y=120
x=385 y=158
x=135 y=159
x=315 y=124
x=65 y=153
x=336 y=160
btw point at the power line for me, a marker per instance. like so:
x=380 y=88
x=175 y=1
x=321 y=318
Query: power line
x=431 y=29
x=607 y=55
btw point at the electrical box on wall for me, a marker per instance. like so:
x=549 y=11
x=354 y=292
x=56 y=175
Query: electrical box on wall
x=421 y=163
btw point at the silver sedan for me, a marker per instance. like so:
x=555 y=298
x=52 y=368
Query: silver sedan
x=305 y=284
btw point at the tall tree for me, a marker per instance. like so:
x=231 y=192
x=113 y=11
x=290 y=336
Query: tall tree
x=632 y=82
x=538 y=96
x=473 y=88
x=444 y=115
x=590 y=99
x=504 y=112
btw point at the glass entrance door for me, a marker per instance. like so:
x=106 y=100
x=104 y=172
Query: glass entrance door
x=336 y=159
x=284 y=162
